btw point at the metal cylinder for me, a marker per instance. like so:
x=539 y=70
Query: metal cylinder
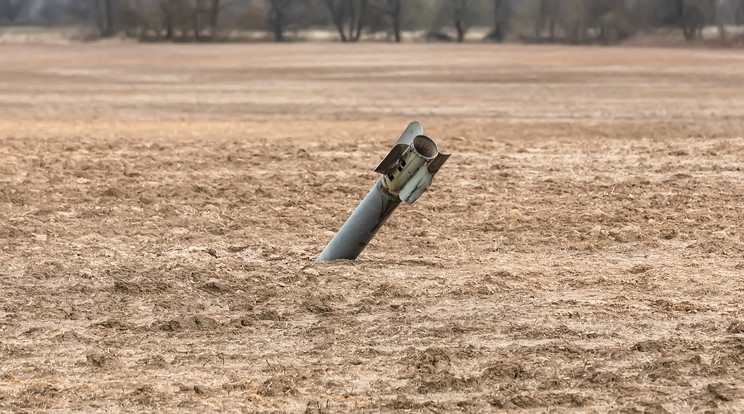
x=407 y=171
x=362 y=226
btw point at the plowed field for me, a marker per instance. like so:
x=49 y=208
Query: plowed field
x=161 y=207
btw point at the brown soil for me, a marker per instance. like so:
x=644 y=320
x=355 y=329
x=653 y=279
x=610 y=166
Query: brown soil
x=161 y=206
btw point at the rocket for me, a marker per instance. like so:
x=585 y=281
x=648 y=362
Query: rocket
x=406 y=172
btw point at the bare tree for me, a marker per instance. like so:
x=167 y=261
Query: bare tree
x=104 y=14
x=169 y=9
x=132 y=17
x=689 y=15
x=501 y=11
x=612 y=19
x=695 y=15
x=392 y=9
x=182 y=16
x=459 y=11
x=278 y=10
x=739 y=12
x=340 y=14
x=214 y=13
x=11 y=9
x=348 y=17
x=208 y=8
x=571 y=16
x=195 y=11
x=358 y=16
x=183 y=20
x=546 y=13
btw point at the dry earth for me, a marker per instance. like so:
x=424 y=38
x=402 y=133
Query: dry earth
x=161 y=205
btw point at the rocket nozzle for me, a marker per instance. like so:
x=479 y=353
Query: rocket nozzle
x=425 y=147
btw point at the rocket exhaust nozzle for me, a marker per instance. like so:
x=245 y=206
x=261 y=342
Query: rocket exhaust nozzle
x=425 y=147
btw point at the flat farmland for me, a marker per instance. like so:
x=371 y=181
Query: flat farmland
x=161 y=207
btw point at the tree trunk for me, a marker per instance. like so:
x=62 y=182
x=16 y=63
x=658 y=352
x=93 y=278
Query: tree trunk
x=104 y=17
x=689 y=34
x=722 y=31
x=394 y=9
x=338 y=13
x=460 y=31
x=396 y=28
x=718 y=19
x=276 y=19
x=278 y=33
x=575 y=33
x=541 y=17
x=692 y=21
x=12 y=12
x=100 y=22
x=340 y=27
x=214 y=15
x=360 y=21
x=679 y=12
x=277 y=15
x=352 y=19
x=539 y=24
x=497 y=34
x=109 y=18
x=168 y=19
x=197 y=37
x=168 y=27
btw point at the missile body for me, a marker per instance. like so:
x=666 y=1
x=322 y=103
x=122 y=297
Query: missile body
x=407 y=171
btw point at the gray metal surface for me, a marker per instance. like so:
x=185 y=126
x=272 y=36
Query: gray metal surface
x=435 y=165
x=362 y=226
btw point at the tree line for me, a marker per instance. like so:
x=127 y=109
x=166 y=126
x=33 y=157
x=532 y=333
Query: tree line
x=567 y=21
